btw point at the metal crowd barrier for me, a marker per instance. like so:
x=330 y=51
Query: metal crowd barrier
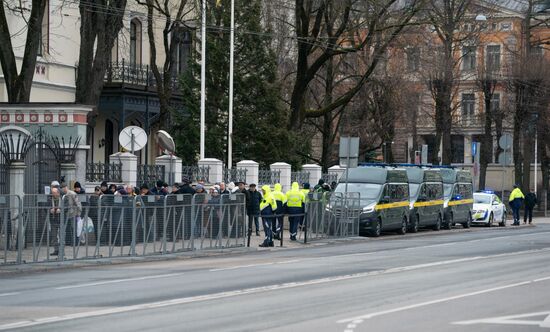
x=34 y=227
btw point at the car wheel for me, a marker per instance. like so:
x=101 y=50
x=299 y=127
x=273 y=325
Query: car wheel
x=468 y=222
x=449 y=223
x=490 y=222
x=403 y=229
x=437 y=225
x=377 y=229
x=414 y=225
x=502 y=223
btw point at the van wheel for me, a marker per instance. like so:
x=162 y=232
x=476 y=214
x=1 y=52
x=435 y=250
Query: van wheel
x=403 y=229
x=468 y=223
x=414 y=225
x=377 y=229
x=490 y=223
x=437 y=225
x=449 y=224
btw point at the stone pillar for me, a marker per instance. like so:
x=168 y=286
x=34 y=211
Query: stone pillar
x=285 y=169
x=16 y=175
x=315 y=173
x=216 y=169
x=80 y=162
x=129 y=166
x=336 y=169
x=172 y=168
x=68 y=170
x=252 y=170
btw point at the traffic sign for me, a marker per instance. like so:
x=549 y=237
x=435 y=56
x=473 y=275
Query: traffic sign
x=505 y=142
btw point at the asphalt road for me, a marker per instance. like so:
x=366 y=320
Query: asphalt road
x=494 y=279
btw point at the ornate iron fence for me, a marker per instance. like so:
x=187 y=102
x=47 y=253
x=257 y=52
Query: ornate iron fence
x=266 y=176
x=196 y=173
x=129 y=73
x=234 y=175
x=330 y=177
x=150 y=174
x=97 y=172
x=300 y=177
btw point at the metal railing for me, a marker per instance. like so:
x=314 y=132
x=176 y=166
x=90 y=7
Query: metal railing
x=268 y=177
x=234 y=175
x=300 y=177
x=97 y=172
x=196 y=173
x=130 y=73
x=150 y=174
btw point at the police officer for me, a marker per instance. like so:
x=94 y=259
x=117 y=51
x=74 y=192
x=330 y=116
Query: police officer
x=295 y=202
x=280 y=199
x=267 y=208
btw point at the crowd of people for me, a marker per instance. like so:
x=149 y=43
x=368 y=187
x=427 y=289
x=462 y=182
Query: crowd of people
x=269 y=205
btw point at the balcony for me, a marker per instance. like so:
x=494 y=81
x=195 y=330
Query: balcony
x=126 y=73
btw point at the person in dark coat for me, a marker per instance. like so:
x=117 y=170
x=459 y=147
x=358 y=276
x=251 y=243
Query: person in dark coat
x=185 y=188
x=159 y=189
x=253 y=208
x=530 y=202
x=104 y=187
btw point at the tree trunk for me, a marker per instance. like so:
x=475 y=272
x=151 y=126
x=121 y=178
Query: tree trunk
x=518 y=157
x=327 y=118
x=19 y=86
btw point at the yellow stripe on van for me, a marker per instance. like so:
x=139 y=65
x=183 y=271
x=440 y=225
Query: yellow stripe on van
x=430 y=203
x=391 y=205
x=462 y=201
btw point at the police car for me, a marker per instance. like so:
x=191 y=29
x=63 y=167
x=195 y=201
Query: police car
x=488 y=209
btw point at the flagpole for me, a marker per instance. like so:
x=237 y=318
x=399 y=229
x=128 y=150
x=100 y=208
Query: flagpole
x=203 y=79
x=231 y=61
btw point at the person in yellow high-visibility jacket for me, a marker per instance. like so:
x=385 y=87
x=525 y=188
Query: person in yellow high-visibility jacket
x=515 y=201
x=295 y=203
x=267 y=208
x=280 y=199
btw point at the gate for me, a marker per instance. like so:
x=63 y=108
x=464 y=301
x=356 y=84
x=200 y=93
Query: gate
x=42 y=167
x=4 y=178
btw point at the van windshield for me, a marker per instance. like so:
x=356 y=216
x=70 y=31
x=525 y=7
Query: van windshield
x=447 y=189
x=413 y=189
x=368 y=191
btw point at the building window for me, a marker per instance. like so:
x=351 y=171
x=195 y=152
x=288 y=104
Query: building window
x=183 y=40
x=495 y=103
x=469 y=58
x=135 y=42
x=493 y=58
x=413 y=58
x=457 y=142
x=468 y=106
x=537 y=52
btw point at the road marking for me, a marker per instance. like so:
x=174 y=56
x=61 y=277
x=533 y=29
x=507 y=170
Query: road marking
x=119 y=280
x=512 y=320
x=253 y=265
x=446 y=299
x=269 y=288
x=9 y=294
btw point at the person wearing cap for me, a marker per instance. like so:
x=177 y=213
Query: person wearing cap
x=73 y=212
x=185 y=188
x=515 y=201
x=199 y=189
x=268 y=206
x=253 y=208
x=78 y=188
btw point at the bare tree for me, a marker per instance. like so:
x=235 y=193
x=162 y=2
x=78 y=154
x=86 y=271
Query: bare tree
x=100 y=24
x=329 y=28
x=19 y=84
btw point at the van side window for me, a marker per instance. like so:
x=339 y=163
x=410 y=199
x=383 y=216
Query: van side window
x=398 y=192
x=465 y=190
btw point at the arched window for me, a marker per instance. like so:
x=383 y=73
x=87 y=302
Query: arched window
x=135 y=42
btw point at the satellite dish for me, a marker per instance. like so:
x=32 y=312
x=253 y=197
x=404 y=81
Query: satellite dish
x=166 y=142
x=132 y=138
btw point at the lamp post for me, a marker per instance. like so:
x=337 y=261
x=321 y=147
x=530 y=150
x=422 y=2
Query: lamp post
x=231 y=61
x=203 y=79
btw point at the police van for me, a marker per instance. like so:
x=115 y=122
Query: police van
x=458 y=194
x=384 y=198
x=426 y=197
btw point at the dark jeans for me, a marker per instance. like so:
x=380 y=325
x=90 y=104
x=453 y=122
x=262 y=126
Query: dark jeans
x=256 y=222
x=516 y=214
x=528 y=214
